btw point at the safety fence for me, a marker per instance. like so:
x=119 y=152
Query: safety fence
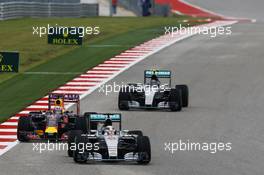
x=46 y=8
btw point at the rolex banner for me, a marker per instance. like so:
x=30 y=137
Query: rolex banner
x=9 y=61
x=65 y=36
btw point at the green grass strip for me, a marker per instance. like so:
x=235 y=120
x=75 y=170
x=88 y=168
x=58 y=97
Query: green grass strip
x=117 y=34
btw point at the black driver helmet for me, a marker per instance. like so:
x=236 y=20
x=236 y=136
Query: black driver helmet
x=108 y=122
x=154 y=77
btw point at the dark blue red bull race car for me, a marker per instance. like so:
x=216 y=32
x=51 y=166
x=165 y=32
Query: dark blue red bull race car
x=53 y=124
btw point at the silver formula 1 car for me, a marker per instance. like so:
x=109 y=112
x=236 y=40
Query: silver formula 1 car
x=155 y=93
x=107 y=141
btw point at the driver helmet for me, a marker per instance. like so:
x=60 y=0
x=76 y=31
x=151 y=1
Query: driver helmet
x=108 y=122
x=154 y=80
x=57 y=110
x=109 y=130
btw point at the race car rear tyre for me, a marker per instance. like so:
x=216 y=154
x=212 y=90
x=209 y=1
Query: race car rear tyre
x=144 y=150
x=80 y=155
x=175 y=100
x=24 y=124
x=136 y=132
x=81 y=124
x=185 y=94
x=124 y=98
x=71 y=138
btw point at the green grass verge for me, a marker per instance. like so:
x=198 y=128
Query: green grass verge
x=19 y=90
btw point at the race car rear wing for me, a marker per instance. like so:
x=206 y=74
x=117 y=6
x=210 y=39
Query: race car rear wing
x=158 y=73
x=60 y=99
x=95 y=118
x=103 y=117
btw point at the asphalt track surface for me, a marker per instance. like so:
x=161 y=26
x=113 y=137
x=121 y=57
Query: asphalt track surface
x=235 y=8
x=225 y=76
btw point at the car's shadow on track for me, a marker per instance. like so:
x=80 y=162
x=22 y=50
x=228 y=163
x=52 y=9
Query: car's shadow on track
x=156 y=110
x=106 y=163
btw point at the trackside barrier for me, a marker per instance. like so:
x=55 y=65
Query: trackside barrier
x=43 y=1
x=162 y=10
x=133 y=5
x=1 y=11
x=19 y=9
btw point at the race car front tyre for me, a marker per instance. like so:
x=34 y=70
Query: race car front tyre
x=175 y=100
x=80 y=154
x=144 y=150
x=124 y=98
x=71 y=138
x=24 y=125
x=136 y=132
x=185 y=94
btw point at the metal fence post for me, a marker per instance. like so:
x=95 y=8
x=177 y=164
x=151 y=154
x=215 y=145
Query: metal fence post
x=111 y=9
x=49 y=9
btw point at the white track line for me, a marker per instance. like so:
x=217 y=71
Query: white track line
x=8 y=130
x=10 y=123
x=75 y=87
x=42 y=101
x=87 y=79
x=92 y=76
x=81 y=83
x=122 y=59
x=37 y=106
x=69 y=92
x=101 y=71
x=105 y=68
x=9 y=146
x=8 y=136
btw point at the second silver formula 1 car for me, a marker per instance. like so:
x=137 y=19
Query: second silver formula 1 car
x=154 y=93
